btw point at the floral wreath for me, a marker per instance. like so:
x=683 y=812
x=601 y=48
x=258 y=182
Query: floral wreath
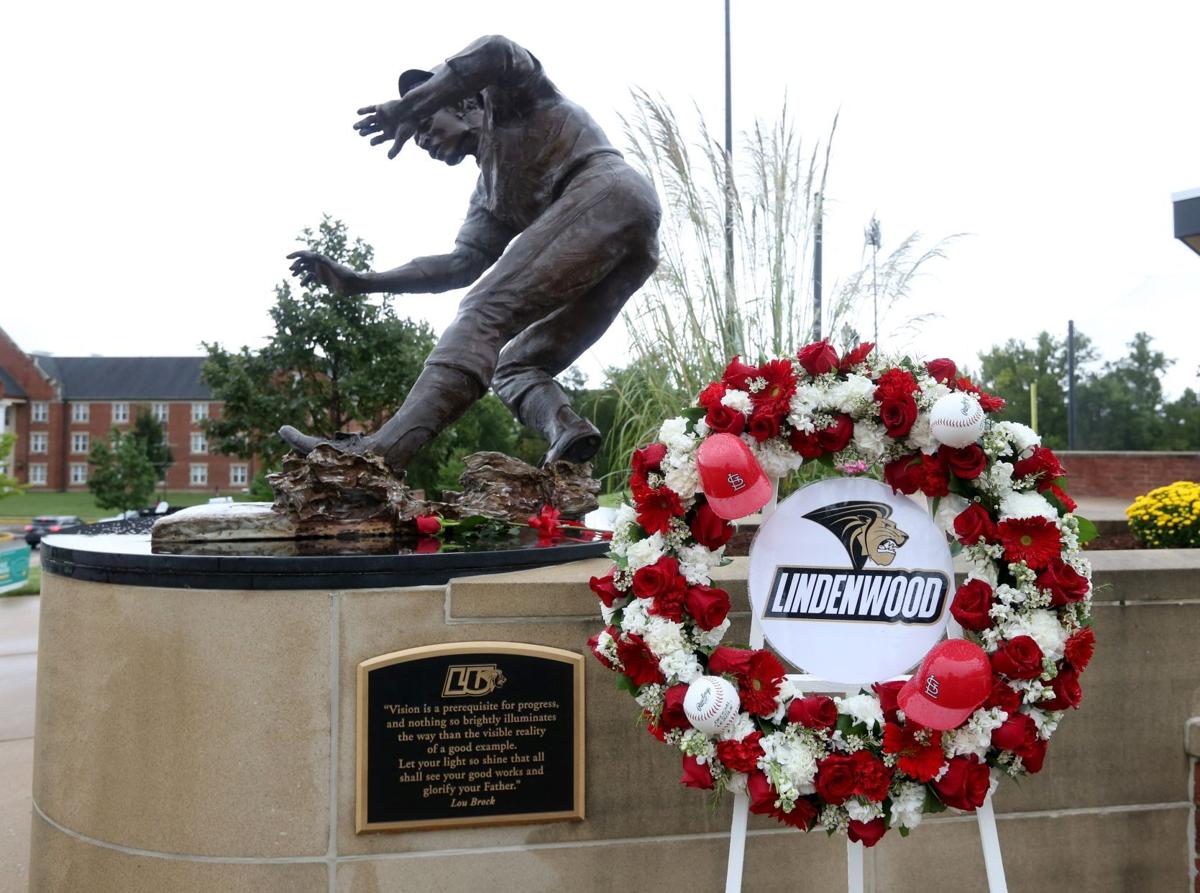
x=853 y=764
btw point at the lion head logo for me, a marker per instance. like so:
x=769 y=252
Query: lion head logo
x=864 y=529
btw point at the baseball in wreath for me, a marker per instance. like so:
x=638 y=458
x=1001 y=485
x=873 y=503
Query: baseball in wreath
x=852 y=582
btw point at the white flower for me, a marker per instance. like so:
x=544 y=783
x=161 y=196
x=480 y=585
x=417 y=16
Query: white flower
x=696 y=563
x=861 y=708
x=908 y=801
x=920 y=437
x=737 y=400
x=644 y=552
x=851 y=395
x=607 y=645
x=871 y=439
x=1026 y=505
x=684 y=480
x=1022 y=437
x=776 y=458
x=664 y=636
x=949 y=508
x=1043 y=627
x=680 y=666
x=650 y=697
x=673 y=433
x=711 y=638
x=741 y=727
x=863 y=812
x=635 y=618
x=791 y=761
x=975 y=736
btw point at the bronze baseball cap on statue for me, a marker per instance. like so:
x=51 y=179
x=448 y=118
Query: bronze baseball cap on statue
x=412 y=78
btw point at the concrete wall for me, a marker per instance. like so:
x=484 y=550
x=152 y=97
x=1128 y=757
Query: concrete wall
x=1125 y=475
x=192 y=740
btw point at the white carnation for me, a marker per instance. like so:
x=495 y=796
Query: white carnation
x=776 y=458
x=680 y=666
x=664 y=636
x=850 y=395
x=974 y=737
x=1026 y=505
x=741 y=727
x=794 y=761
x=1043 y=627
x=644 y=552
x=696 y=563
x=674 y=434
x=920 y=437
x=1022 y=437
x=863 y=812
x=711 y=638
x=636 y=618
x=684 y=480
x=908 y=801
x=871 y=439
x=861 y=708
x=738 y=401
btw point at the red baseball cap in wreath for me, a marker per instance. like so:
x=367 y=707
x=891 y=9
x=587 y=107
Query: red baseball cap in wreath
x=954 y=679
x=732 y=480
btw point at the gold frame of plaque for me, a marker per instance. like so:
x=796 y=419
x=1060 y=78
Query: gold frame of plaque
x=545 y=652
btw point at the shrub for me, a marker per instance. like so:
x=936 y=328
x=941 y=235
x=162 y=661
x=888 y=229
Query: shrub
x=1167 y=517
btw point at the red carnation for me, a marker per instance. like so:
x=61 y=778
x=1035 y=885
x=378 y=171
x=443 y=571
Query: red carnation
x=889 y=695
x=814 y=711
x=696 y=774
x=641 y=666
x=1016 y=733
x=1080 y=647
x=707 y=605
x=743 y=755
x=966 y=462
x=837 y=779
x=604 y=587
x=710 y=529
x=763 y=426
x=873 y=776
x=974 y=522
x=1032 y=540
x=711 y=395
x=1018 y=658
x=866 y=833
x=836 y=436
x=1067 y=692
x=919 y=749
x=1066 y=584
x=1003 y=696
x=774 y=398
x=965 y=784
x=942 y=370
x=934 y=480
x=723 y=419
x=971 y=604
x=1041 y=462
x=818 y=358
x=759 y=687
x=737 y=374
x=856 y=356
x=656 y=508
x=988 y=402
x=762 y=802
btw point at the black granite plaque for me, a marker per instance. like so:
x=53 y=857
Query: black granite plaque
x=469 y=733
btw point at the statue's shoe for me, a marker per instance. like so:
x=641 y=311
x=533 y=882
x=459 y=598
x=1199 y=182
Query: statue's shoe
x=342 y=441
x=577 y=443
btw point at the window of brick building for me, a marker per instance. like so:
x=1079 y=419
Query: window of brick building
x=80 y=412
x=38 y=442
x=160 y=412
x=120 y=413
x=199 y=443
x=199 y=475
x=237 y=475
x=41 y=411
x=37 y=474
x=79 y=472
x=199 y=412
x=79 y=442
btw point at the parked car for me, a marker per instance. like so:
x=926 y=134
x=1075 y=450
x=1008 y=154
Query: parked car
x=44 y=524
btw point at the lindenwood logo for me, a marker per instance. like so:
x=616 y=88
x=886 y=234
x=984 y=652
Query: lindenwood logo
x=888 y=595
x=472 y=680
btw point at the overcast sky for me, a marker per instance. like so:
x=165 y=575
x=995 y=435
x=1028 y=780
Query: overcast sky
x=159 y=159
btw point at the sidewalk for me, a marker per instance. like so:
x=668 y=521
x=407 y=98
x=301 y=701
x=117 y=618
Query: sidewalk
x=18 y=672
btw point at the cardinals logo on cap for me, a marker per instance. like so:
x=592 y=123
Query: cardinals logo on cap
x=865 y=529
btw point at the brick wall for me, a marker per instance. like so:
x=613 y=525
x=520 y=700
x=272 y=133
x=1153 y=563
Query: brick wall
x=1126 y=475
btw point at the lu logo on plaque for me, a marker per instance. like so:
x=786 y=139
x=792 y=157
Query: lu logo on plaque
x=469 y=733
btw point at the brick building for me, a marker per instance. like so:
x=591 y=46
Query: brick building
x=57 y=407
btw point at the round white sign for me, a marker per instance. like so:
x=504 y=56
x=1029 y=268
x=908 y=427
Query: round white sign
x=851 y=581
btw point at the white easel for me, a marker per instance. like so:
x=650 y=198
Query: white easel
x=855 y=879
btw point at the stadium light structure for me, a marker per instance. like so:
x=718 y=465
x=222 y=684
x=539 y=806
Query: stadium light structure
x=1187 y=218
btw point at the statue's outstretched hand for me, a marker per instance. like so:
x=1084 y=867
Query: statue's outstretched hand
x=313 y=269
x=386 y=121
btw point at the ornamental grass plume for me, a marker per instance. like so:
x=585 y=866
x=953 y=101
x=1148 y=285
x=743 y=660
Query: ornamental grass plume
x=1167 y=517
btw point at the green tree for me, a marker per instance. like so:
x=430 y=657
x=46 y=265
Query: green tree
x=332 y=362
x=8 y=484
x=122 y=475
x=150 y=433
x=1122 y=407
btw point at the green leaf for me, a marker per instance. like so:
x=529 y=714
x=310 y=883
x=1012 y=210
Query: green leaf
x=624 y=683
x=903 y=831
x=932 y=803
x=1087 y=530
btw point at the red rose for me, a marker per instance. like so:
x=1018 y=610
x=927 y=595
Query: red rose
x=837 y=779
x=427 y=525
x=904 y=475
x=1018 y=731
x=1080 y=647
x=662 y=582
x=807 y=444
x=866 y=833
x=762 y=802
x=1066 y=584
x=888 y=694
x=818 y=358
x=647 y=459
x=856 y=356
x=606 y=590
x=763 y=426
x=942 y=370
x=898 y=413
x=428 y=545
x=641 y=666
x=737 y=373
x=743 y=755
x=836 y=436
x=656 y=508
x=1041 y=462
x=1067 y=692
x=971 y=604
x=874 y=778
x=696 y=774
x=1033 y=755
x=814 y=711
x=965 y=784
x=710 y=529
x=594 y=644
x=672 y=716
x=974 y=522
x=711 y=395
x=708 y=606
x=725 y=420
x=1003 y=696
x=967 y=462
x=735 y=661
x=1018 y=658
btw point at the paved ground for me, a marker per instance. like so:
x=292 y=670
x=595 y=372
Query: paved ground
x=18 y=670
